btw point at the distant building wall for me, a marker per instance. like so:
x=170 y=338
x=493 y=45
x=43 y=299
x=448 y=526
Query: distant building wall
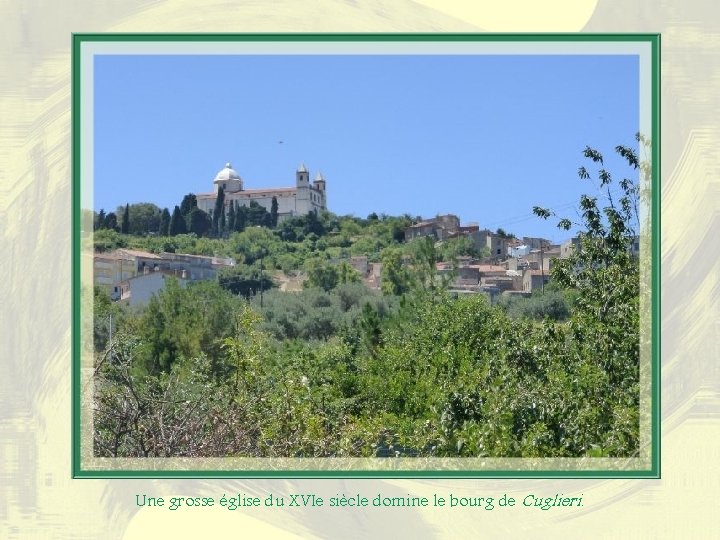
x=568 y=246
x=535 y=243
x=534 y=280
x=138 y=291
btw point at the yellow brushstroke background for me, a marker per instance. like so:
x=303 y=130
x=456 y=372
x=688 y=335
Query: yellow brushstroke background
x=38 y=498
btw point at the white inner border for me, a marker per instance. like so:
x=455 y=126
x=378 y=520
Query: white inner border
x=89 y=49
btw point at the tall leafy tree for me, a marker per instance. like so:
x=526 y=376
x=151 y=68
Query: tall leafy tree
x=188 y=203
x=199 y=222
x=257 y=215
x=111 y=221
x=177 y=223
x=313 y=224
x=347 y=274
x=321 y=274
x=164 y=226
x=144 y=218
x=244 y=280
x=395 y=276
x=180 y=323
x=605 y=320
x=100 y=220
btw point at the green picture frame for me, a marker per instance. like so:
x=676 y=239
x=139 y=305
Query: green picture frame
x=85 y=45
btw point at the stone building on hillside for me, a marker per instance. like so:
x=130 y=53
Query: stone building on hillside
x=119 y=266
x=534 y=280
x=441 y=227
x=299 y=200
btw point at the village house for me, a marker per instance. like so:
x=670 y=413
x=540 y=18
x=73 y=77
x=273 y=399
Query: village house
x=112 y=269
x=196 y=267
x=448 y=226
x=542 y=258
x=568 y=246
x=535 y=243
x=534 y=280
x=373 y=279
x=519 y=251
x=137 y=291
x=360 y=263
x=441 y=227
x=498 y=245
x=515 y=267
x=519 y=263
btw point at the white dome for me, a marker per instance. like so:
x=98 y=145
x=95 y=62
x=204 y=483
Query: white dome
x=227 y=173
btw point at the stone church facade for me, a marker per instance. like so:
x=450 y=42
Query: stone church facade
x=299 y=200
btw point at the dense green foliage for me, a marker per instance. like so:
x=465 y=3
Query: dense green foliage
x=315 y=314
x=335 y=369
x=199 y=222
x=125 y=223
x=553 y=304
x=245 y=280
x=164 y=226
x=177 y=223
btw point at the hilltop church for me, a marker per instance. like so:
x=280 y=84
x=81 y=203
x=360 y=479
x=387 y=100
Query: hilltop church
x=300 y=200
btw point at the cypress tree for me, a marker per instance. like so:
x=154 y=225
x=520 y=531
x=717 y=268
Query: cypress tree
x=231 y=218
x=188 y=203
x=125 y=227
x=199 y=222
x=222 y=223
x=164 y=222
x=217 y=213
x=100 y=223
x=240 y=218
x=177 y=222
x=274 y=212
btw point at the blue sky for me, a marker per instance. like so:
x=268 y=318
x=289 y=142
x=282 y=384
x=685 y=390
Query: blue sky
x=483 y=137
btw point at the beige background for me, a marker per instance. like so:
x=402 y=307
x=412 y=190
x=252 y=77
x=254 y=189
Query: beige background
x=38 y=499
